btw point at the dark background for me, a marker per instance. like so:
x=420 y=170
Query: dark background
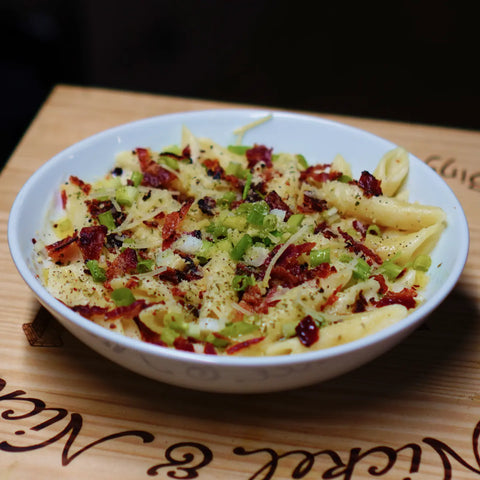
x=412 y=61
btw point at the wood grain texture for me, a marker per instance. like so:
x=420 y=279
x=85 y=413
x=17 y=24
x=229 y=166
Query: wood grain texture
x=65 y=412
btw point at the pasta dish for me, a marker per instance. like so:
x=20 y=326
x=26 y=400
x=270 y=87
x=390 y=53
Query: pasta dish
x=239 y=250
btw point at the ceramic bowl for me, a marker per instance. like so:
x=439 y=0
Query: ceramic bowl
x=319 y=140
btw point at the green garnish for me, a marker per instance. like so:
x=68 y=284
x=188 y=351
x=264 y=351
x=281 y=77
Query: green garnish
x=145 y=265
x=106 y=219
x=97 y=272
x=294 y=222
x=241 y=282
x=122 y=297
x=317 y=257
x=136 y=178
x=362 y=269
x=126 y=195
x=241 y=247
x=238 y=328
x=422 y=263
x=248 y=184
x=238 y=149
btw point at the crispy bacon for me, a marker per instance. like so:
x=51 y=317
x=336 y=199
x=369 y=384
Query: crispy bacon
x=236 y=347
x=360 y=304
x=94 y=311
x=383 y=284
x=207 y=205
x=319 y=174
x=259 y=154
x=65 y=250
x=209 y=349
x=307 y=331
x=154 y=175
x=360 y=228
x=172 y=222
x=326 y=232
x=275 y=201
x=214 y=169
x=357 y=247
x=369 y=184
x=63 y=198
x=332 y=298
x=149 y=335
x=181 y=343
x=124 y=263
x=405 y=297
x=84 y=187
x=91 y=241
x=312 y=204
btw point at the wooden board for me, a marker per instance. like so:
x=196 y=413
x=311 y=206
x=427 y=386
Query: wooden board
x=65 y=412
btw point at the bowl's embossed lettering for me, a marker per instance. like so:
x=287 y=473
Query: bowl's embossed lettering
x=448 y=168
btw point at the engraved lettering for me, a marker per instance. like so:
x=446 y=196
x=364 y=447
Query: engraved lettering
x=188 y=463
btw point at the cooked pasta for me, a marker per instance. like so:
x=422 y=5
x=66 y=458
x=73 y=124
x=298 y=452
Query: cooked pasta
x=239 y=250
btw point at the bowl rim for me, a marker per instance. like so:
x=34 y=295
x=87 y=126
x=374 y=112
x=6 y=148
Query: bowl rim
x=412 y=320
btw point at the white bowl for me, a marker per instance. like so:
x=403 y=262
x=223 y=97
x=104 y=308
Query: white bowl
x=319 y=140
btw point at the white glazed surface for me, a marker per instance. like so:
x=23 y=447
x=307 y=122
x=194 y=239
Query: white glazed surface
x=319 y=140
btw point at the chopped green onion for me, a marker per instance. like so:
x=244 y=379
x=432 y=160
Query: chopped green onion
x=176 y=322
x=345 y=178
x=270 y=222
x=362 y=269
x=235 y=221
x=374 y=229
x=345 y=258
x=302 y=160
x=217 y=341
x=169 y=161
x=97 y=272
x=106 y=219
x=422 y=263
x=235 y=169
x=217 y=229
x=241 y=247
x=391 y=269
x=289 y=329
x=241 y=282
x=294 y=222
x=136 y=178
x=318 y=257
x=227 y=198
x=168 y=335
x=248 y=184
x=126 y=195
x=238 y=149
x=238 y=328
x=122 y=297
x=145 y=265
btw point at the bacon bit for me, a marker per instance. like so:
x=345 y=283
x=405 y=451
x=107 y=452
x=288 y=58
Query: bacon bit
x=176 y=292
x=360 y=228
x=214 y=169
x=207 y=204
x=259 y=153
x=65 y=250
x=357 y=247
x=91 y=241
x=360 y=304
x=318 y=174
x=149 y=335
x=154 y=175
x=383 y=284
x=332 y=298
x=186 y=153
x=96 y=207
x=84 y=187
x=275 y=201
x=312 y=204
x=236 y=347
x=253 y=301
x=151 y=223
x=209 y=349
x=124 y=263
x=369 y=184
x=307 y=331
x=94 y=311
x=63 y=196
x=406 y=297
x=184 y=344
x=326 y=232
x=172 y=222
x=132 y=283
